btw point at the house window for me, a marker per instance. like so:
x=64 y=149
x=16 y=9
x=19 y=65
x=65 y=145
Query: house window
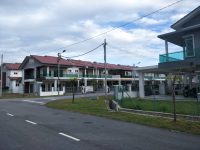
x=17 y=84
x=61 y=73
x=15 y=72
x=44 y=72
x=189 y=46
x=128 y=73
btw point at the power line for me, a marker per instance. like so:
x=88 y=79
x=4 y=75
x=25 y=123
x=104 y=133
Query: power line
x=83 y=53
x=120 y=49
x=115 y=28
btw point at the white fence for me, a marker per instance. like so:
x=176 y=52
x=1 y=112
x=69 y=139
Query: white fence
x=51 y=93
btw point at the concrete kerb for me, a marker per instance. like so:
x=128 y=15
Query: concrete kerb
x=161 y=114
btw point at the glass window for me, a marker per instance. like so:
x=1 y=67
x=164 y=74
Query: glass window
x=44 y=72
x=189 y=47
x=61 y=73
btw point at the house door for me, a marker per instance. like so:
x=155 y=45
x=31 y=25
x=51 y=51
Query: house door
x=189 y=46
x=31 y=88
x=28 y=87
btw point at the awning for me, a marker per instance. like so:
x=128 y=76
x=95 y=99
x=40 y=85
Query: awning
x=176 y=37
x=15 y=78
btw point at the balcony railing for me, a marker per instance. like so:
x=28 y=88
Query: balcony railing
x=175 y=56
x=74 y=76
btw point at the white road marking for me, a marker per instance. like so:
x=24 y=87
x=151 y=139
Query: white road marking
x=31 y=122
x=42 y=103
x=68 y=136
x=10 y=114
x=53 y=99
x=50 y=99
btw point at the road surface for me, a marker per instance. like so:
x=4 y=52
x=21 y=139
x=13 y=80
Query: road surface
x=29 y=125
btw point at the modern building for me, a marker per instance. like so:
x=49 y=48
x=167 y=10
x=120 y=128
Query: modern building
x=185 y=62
x=40 y=75
x=12 y=78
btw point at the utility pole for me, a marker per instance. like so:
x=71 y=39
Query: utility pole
x=105 y=68
x=173 y=97
x=58 y=83
x=58 y=60
x=1 y=74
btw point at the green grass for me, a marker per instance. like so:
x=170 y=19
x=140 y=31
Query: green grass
x=182 y=107
x=13 y=95
x=98 y=108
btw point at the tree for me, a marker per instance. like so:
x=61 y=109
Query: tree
x=174 y=78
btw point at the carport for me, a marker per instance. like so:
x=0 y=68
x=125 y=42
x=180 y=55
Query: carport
x=186 y=75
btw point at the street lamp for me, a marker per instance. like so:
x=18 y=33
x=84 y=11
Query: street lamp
x=134 y=74
x=58 y=60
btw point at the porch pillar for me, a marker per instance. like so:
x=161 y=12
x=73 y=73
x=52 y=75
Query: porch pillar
x=78 y=85
x=23 y=85
x=185 y=79
x=47 y=71
x=85 y=72
x=166 y=51
x=119 y=82
x=96 y=71
x=35 y=83
x=169 y=82
x=55 y=85
x=85 y=82
x=141 y=85
x=104 y=83
x=93 y=72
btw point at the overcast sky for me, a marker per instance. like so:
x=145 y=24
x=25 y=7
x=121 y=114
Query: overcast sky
x=42 y=27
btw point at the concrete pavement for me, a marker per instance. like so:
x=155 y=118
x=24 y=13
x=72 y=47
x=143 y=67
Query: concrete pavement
x=89 y=132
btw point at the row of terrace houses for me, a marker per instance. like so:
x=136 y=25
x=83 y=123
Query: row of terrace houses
x=39 y=75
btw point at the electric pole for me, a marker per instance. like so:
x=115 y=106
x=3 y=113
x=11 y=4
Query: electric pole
x=58 y=83
x=105 y=68
x=1 y=74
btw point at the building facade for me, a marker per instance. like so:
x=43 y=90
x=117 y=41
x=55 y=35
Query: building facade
x=12 y=78
x=40 y=75
x=184 y=63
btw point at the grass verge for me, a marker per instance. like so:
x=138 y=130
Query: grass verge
x=182 y=107
x=16 y=95
x=98 y=108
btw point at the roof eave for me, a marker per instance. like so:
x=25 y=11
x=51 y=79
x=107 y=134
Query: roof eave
x=181 y=21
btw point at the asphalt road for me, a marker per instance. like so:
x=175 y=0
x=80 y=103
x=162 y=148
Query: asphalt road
x=28 y=125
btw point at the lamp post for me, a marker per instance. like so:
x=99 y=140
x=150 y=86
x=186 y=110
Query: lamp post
x=133 y=73
x=58 y=60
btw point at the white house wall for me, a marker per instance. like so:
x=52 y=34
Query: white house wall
x=73 y=70
x=15 y=73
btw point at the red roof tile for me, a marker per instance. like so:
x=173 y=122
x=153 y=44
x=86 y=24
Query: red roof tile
x=12 y=66
x=79 y=63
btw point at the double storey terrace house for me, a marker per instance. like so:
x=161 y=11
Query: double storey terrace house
x=40 y=75
x=185 y=61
